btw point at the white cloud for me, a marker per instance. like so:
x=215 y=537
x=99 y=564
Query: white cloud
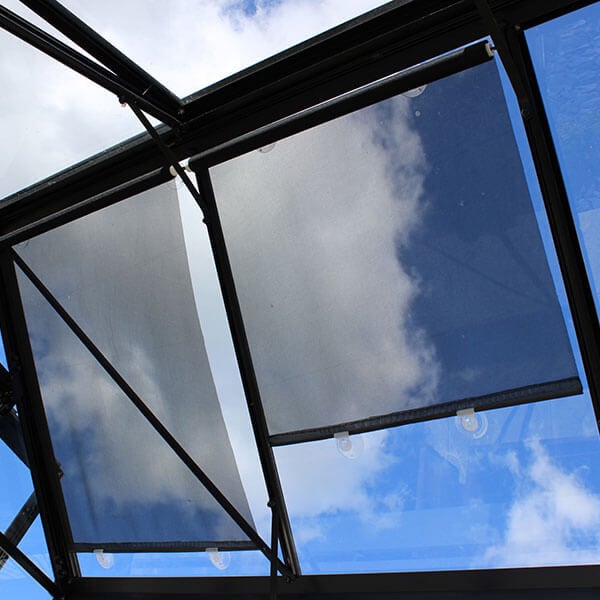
x=195 y=43
x=341 y=482
x=554 y=520
x=312 y=229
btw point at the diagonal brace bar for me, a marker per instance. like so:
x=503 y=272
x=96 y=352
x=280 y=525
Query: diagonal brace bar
x=147 y=413
x=12 y=435
x=16 y=531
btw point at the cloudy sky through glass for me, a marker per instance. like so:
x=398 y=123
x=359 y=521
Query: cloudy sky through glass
x=521 y=489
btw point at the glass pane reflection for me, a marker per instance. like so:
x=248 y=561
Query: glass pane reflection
x=390 y=260
x=15 y=485
x=521 y=490
x=34 y=546
x=16 y=583
x=568 y=70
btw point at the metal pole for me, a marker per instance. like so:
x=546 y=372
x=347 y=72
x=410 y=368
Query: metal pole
x=251 y=390
x=42 y=462
x=274 y=550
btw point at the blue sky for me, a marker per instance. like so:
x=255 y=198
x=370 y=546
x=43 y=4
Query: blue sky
x=523 y=490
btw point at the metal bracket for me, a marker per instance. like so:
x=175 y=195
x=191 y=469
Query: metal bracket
x=171 y=159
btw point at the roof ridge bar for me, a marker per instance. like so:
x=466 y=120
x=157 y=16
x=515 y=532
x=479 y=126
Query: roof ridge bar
x=111 y=57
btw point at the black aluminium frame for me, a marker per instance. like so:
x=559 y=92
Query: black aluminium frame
x=319 y=69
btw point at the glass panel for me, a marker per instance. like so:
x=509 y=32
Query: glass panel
x=568 y=73
x=34 y=545
x=16 y=583
x=391 y=260
x=122 y=273
x=3 y=355
x=520 y=487
x=51 y=116
x=211 y=40
x=15 y=485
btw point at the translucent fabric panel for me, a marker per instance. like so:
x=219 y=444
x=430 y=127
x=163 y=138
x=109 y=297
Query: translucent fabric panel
x=520 y=487
x=568 y=71
x=122 y=274
x=390 y=260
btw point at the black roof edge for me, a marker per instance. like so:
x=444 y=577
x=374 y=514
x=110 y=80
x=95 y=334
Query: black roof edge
x=374 y=45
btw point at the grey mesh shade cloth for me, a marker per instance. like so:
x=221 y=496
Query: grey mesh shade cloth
x=388 y=264
x=123 y=274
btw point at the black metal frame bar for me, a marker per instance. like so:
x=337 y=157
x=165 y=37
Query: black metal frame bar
x=378 y=44
x=6 y=395
x=81 y=64
x=524 y=395
x=290 y=556
x=19 y=526
x=85 y=207
x=537 y=582
x=395 y=84
x=94 y=44
x=28 y=566
x=274 y=550
x=170 y=157
x=41 y=459
x=12 y=435
x=156 y=424
x=246 y=368
x=162 y=547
